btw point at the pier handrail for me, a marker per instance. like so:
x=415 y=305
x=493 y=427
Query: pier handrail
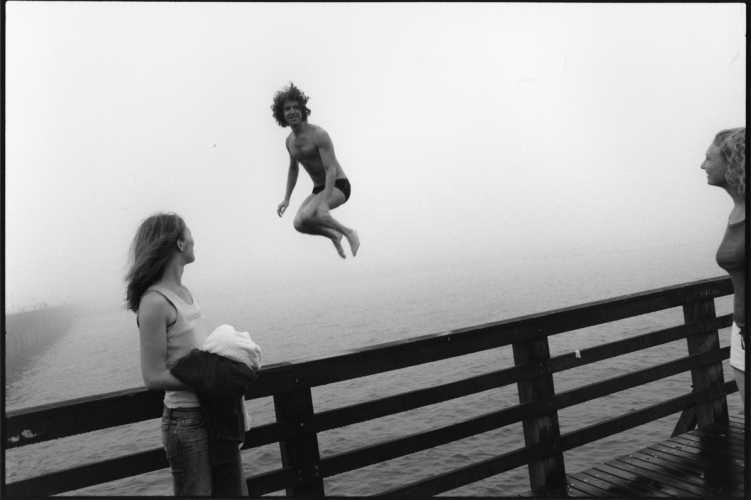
x=298 y=423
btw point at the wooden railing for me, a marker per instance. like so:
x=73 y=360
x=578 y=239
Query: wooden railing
x=302 y=469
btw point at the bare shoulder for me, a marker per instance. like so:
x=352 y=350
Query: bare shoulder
x=153 y=304
x=318 y=133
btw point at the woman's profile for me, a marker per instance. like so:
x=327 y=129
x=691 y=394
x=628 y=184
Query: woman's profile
x=725 y=165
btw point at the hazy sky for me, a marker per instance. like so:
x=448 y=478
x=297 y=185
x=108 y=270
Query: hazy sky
x=468 y=131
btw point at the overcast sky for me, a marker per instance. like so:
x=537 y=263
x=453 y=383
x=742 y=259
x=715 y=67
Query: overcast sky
x=468 y=132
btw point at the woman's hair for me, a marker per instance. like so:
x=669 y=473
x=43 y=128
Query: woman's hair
x=153 y=246
x=732 y=145
x=289 y=93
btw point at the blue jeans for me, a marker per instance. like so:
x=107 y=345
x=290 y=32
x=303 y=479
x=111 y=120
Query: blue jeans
x=186 y=441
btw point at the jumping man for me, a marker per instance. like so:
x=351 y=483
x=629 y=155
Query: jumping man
x=310 y=145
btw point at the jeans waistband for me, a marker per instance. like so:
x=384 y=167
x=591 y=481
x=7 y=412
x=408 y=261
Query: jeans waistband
x=181 y=412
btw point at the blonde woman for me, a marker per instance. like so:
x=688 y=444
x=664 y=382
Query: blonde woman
x=725 y=165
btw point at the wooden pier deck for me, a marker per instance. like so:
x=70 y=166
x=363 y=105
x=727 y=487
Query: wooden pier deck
x=706 y=462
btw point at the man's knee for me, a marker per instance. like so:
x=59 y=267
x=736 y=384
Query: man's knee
x=299 y=224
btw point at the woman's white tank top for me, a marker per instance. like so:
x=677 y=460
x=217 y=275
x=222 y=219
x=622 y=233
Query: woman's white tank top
x=184 y=335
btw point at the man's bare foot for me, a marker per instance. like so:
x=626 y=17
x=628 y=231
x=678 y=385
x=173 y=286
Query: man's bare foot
x=354 y=242
x=338 y=244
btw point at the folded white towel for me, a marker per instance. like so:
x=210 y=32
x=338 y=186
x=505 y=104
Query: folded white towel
x=238 y=347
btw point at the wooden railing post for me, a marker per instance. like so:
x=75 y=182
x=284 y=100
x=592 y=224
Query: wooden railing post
x=709 y=375
x=301 y=452
x=549 y=472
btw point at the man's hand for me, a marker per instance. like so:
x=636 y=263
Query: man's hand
x=282 y=207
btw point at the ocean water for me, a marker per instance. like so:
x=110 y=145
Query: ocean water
x=100 y=354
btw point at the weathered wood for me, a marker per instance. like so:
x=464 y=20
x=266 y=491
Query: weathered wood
x=58 y=420
x=642 y=481
x=703 y=459
x=507 y=461
x=549 y=471
x=632 y=489
x=686 y=482
x=88 y=475
x=300 y=453
x=389 y=405
x=686 y=422
x=435 y=347
x=594 y=486
x=688 y=474
x=290 y=385
x=348 y=461
x=55 y=421
x=49 y=421
x=706 y=376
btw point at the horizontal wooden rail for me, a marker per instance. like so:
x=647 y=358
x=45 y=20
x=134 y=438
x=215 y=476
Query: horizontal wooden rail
x=390 y=405
x=511 y=460
x=284 y=380
x=35 y=424
x=370 y=455
x=54 y=421
x=139 y=463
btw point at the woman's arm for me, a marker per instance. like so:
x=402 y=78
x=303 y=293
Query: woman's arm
x=153 y=317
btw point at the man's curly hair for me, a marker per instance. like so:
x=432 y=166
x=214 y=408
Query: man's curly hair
x=289 y=93
x=732 y=145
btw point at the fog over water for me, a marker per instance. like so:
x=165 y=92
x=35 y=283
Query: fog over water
x=472 y=134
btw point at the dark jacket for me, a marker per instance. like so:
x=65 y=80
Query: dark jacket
x=219 y=384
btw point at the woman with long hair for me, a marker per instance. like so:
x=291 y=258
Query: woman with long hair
x=725 y=165
x=171 y=324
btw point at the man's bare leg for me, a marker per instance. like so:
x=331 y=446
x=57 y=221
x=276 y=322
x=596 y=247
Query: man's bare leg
x=325 y=220
x=303 y=225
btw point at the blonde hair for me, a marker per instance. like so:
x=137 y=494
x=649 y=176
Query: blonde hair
x=732 y=146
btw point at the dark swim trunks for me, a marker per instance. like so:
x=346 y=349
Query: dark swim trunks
x=341 y=184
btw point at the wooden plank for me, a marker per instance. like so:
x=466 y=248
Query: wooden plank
x=632 y=489
x=737 y=423
x=54 y=421
x=698 y=485
x=710 y=375
x=390 y=405
x=689 y=474
x=302 y=452
x=549 y=472
x=107 y=412
x=597 y=486
x=360 y=412
x=590 y=487
x=731 y=438
x=273 y=481
x=709 y=448
x=687 y=488
x=78 y=416
x=698 y=455
x=566 y=398
x=702 y=464
x=363 y=457
x=435 y=347
x=88 y=475
x=490 y=467
x=687 y=421
x=643 y=481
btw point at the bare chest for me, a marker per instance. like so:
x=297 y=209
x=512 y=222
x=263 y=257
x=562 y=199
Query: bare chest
x=303 y=149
